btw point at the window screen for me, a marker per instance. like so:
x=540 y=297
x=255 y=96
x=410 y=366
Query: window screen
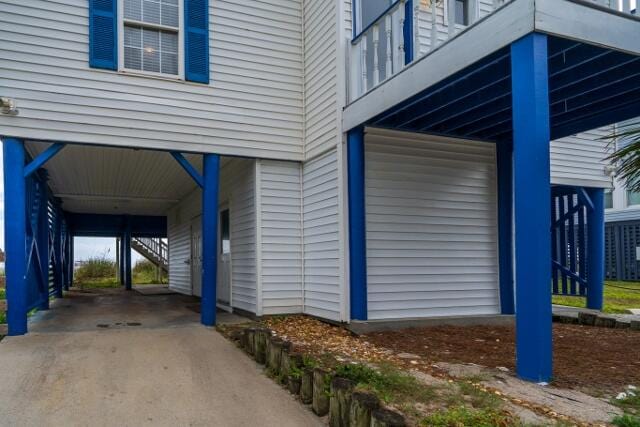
x=151 y=29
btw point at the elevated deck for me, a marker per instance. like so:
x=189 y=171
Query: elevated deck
x=462 y=87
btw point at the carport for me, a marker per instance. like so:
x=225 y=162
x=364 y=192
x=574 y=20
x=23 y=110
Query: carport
x=55 y=191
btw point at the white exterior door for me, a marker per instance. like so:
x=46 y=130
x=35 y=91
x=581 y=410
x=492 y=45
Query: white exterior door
x=196 y=256
x=224 y=259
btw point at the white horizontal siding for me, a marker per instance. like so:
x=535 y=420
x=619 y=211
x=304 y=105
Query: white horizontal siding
x=237 y=186
x=239 y=178
x=281 y=237
x=580 y=159
x=179 y=220
x=322 y=290
x=431 y=226
x=253 y=106
x=321 y=76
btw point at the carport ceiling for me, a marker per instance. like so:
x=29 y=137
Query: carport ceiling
x=108 y=180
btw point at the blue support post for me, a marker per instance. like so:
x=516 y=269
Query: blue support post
x=71 y=260
x=532 y=204
x=595 y=249
x=357 y=225
x=211 y=169
x=504 y=154
x=43 y=238
x=15 y=232
x=57 y=250
x=121 y=260
x=127 y=257
x=67 y=255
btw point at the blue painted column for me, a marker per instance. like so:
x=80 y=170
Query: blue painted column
x=57 y=251
x=357 y=224
x=65 y=250
x=43 y=238
x=15 y=232
x=595 y=249
x=532 y=204
x=126 y=252
x=121 y=260
x=504 y=152
x=211 y=172
x=71 y=261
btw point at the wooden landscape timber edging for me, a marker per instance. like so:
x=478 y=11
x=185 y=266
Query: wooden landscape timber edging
x=602 y=320
x=327 y=393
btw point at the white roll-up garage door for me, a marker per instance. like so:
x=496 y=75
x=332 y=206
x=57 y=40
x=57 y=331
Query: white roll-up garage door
x=432 y=233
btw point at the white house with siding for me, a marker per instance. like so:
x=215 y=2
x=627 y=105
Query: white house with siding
x=357 y=161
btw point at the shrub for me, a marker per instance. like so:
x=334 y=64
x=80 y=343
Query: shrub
x=144 y=266
x=98 y=267
x=144 y=272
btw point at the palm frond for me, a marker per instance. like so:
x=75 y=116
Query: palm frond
x=626 y=156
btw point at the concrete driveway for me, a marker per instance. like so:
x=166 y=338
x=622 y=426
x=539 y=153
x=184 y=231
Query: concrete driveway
x=122 y=359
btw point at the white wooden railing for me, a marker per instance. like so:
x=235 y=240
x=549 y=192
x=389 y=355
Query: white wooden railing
x=378 y=52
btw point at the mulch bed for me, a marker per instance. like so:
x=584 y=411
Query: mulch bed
x=597 y=361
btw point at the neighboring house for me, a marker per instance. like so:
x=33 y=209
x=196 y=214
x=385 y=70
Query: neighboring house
x=622 y=230
x=361 y=161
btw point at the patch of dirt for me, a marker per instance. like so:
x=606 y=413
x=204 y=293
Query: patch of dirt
x=597 y=361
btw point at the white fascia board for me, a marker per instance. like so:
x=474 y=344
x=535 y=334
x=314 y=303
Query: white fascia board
x=589 y=23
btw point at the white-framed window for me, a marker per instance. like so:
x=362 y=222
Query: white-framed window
x=608 y=198
x=633 y=198
x=151 y=37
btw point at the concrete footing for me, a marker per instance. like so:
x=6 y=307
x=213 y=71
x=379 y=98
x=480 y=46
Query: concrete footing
x=365 y=327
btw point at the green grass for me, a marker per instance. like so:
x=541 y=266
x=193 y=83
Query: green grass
x=631 y=408
x=463 y=416
x=3 y=293
x=460 y=403
x=390 y=384
x=616 y=300
x=144 y=273
x=98 y=283
x=100 y=273
x=626 y=420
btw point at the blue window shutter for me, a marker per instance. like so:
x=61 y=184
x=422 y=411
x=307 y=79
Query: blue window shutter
x=103 y=34
x=196 y=40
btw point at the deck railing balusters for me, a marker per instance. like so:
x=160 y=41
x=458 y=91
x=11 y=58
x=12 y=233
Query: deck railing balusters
x=434 y=25
x=376 y=60
x=388 y=69
x=475 y=12
x=451 y=15
x=626 y=6
x=401 y=46
x=416 y=29
x=363 y=50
